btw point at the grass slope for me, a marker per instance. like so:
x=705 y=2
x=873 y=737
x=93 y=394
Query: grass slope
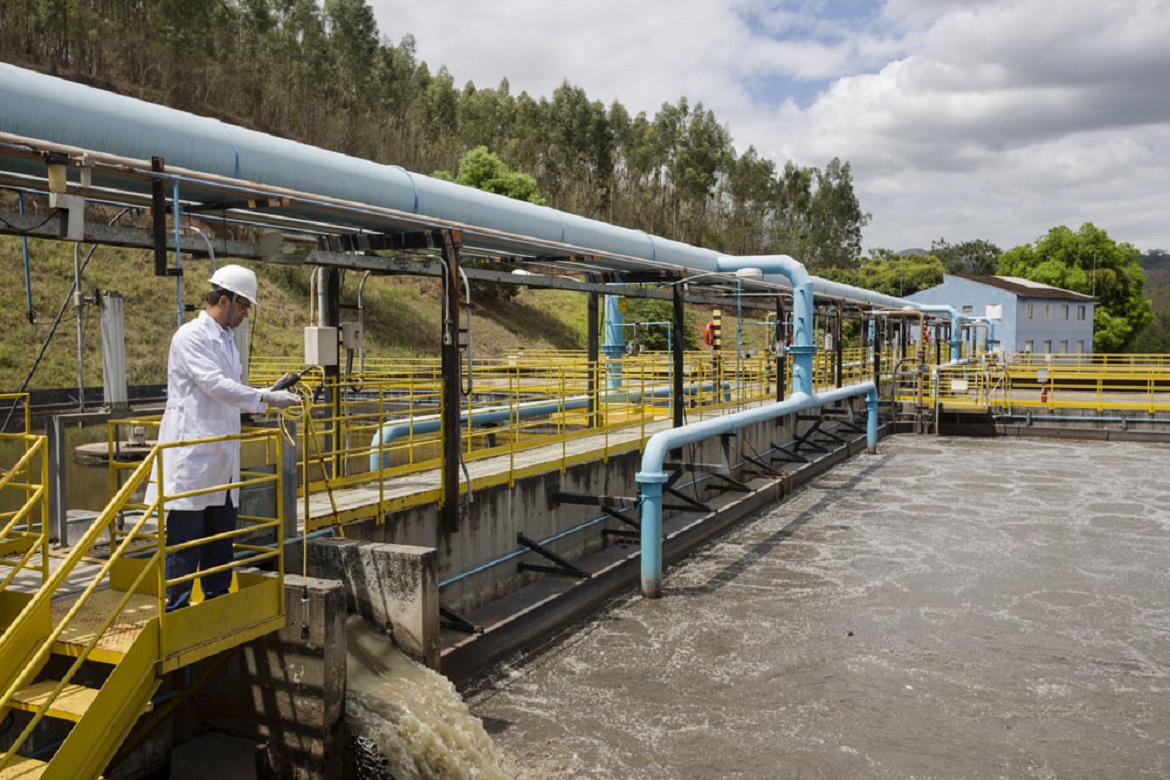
x=401 y=314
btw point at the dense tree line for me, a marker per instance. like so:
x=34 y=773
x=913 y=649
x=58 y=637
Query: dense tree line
x=324 y=74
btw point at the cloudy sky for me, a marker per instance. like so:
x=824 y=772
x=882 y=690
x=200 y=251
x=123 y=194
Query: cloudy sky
x=962 y=119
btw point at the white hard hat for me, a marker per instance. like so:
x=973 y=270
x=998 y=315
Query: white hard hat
x=237 y=279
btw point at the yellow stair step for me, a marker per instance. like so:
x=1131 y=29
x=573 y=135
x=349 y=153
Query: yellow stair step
x=17 y=545
x=71 y=703
x=117 y=639
x=22 y=768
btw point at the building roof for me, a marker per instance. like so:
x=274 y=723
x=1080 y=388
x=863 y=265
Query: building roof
x=1026 y=288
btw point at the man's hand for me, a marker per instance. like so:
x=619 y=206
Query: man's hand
x=281 y=399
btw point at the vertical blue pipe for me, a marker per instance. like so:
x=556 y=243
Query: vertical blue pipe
x=803 y=349
x=651 y=532
x=614 y=347
x=871 y=421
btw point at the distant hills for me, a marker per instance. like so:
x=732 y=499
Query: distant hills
x=1156 y=338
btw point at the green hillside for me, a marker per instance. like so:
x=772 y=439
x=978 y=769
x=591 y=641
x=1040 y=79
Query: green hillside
x=401 y=314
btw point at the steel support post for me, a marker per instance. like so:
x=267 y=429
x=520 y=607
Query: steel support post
x=58 y=511
x=158 y=216
x=451 y=435
x=837 y=346
x=593 y=327
x=781 y=348
x=677 y=400
x=331 y=317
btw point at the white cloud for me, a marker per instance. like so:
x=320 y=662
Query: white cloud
x=993 y=119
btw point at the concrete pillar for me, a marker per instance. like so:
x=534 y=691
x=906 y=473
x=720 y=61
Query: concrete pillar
x=286 y=690
x=395 y=586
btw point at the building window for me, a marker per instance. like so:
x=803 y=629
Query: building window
x=1028 y=345
x=1048 y=346
x=1081 y=312
x=968 y=309
x=1063 y=347
x=1048 y=311
x=1064 y=311
x=1029 y=311
x=1081 y=346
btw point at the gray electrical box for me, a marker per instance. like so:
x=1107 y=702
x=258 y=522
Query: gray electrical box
x=351 y=335
x=320 y=346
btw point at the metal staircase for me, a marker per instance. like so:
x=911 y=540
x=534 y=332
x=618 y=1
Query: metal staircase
x=84 y=649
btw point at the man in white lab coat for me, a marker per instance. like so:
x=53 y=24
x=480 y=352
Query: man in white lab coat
x=204 y=399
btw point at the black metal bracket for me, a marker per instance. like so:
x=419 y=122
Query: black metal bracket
x=562 y=567
x=844 y=417
x=614 y=506
x=718 y=471
x=803 y=441
x=787 y=456
x=732 y=483
x=807 y=440
x=619 y=503
x=766 y=470
x=375 y=242
x=449 y=618
x=691 y=503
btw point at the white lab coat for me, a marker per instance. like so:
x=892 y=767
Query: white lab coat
x=204 y=399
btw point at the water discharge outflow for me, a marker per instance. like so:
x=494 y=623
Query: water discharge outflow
x=413 y=717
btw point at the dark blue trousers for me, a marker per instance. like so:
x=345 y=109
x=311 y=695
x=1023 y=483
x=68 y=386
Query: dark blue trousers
x=187 y=525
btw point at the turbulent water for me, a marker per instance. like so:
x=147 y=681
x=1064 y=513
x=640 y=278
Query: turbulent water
x=946 y=609
x=411 y=715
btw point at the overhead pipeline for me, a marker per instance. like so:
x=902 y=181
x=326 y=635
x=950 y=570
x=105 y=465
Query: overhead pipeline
x=36 y=106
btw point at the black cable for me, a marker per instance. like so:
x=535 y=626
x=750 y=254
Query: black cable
x=54 y=213
x=49 y=336
x=57 y=321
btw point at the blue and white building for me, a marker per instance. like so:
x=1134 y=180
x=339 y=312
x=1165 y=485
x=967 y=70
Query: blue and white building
x=1030 y=317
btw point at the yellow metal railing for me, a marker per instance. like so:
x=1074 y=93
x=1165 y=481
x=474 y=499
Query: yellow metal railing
x=387 y=418
x=24 y=537
x=132 y=565
x=1087 y=382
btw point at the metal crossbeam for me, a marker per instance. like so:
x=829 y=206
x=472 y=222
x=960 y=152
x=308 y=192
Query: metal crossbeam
x=562 y=567
x=449 y=618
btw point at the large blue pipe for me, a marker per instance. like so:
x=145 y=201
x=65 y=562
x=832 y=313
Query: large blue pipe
x=956 y=325
x=37 y=106
x=803 y=349
x=612 y=346
x=652 y=477
x=45 y=108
